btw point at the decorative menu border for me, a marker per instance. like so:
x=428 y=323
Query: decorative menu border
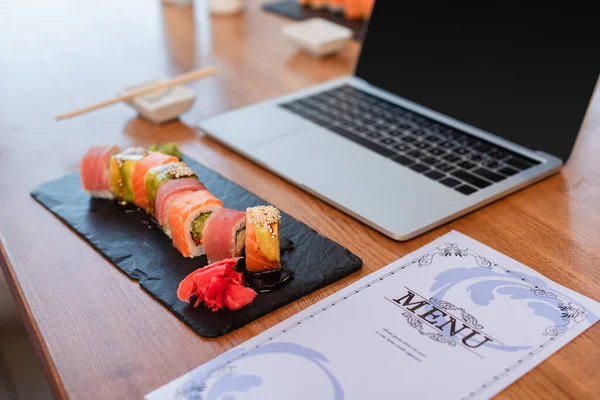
x=444 y=250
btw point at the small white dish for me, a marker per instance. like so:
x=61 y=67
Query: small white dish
x=162 y=105
x=225 y=7
x=317 y=36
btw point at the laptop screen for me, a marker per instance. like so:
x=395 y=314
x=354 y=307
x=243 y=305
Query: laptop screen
x=525 y=74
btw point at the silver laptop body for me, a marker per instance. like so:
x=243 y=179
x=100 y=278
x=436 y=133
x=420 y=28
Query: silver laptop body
x=389 y=197
x=449 y=108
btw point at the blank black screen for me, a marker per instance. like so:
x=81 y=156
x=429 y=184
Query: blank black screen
x=523 y=73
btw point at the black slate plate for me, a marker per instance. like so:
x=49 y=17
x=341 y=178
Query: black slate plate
x=291 y=9
x=126 y=238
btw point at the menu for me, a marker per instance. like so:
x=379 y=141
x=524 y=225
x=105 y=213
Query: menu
x=453 y=320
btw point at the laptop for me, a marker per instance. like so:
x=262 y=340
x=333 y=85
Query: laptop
x=449 y=108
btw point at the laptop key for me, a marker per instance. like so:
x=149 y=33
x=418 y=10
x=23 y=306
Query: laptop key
x=470 y=178
x=451 y=158
x=466 y=164
x=450 y=182
x=518 y=163
x=497 y=154
x=475 y=157
x=489 y=175
x=482 y=147
x=429 y=160
x=435 y=175
x=388 y=141
x=433 y=139
x=363 y=142
x=419 y=167
x=415 y=154
x=436 y=151
x=508 y=171
x=462 y=151
x=490 y=163
x=402 y=147
x=447 y=144
x=408 y=139
x=400 y=159
x=445 y=167
x=422 y=145
x=465 y=189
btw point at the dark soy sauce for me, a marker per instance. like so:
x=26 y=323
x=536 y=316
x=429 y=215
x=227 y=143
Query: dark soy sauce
x=268 y=281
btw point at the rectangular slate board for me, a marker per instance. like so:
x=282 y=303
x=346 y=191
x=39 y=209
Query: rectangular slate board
x=126 y=239
x=291 y=9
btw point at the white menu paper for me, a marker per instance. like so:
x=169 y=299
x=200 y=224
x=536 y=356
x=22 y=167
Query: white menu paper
x=453 y=320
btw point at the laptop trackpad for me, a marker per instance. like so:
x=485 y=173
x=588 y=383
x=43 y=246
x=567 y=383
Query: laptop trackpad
x=251 y=126
x=359 y=180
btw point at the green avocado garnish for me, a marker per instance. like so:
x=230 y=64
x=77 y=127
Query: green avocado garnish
x=154 y=177
x=121 y=168
x=198 y=226
x=168 y=148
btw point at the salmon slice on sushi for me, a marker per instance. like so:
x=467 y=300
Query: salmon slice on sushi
x=140 y=197
x=187 y=217
x=224 y=234
x=95 y=172
x=262 y=239
x=166 y=195
x=122 y=166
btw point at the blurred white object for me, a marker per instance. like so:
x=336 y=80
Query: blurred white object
x=225 y=7
x=178 y=2
x=317 y=36
x=162 y=105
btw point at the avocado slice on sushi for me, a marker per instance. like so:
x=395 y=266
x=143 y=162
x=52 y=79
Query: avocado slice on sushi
x=198 y=226
x=162 y=173
x=121 y=169
x=169 y=148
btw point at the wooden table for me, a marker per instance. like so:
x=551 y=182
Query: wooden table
x=97 y=333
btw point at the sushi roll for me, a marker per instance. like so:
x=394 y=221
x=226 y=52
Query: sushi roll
x=160 y=174
x=262 y=239
x=224 y=234
x=121 y=171
x=140 y=197
x=167 y=193
x=187 y=217
x=95 y=173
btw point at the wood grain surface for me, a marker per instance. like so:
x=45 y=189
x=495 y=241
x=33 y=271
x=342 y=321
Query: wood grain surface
x=97 y=333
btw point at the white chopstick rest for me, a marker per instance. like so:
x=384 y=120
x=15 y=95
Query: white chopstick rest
x=162 y=105
x=317 y=36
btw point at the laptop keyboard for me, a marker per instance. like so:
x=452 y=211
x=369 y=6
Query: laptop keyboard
x=446 y=155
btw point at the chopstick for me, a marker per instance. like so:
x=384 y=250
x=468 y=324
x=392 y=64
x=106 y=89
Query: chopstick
x=190 y=76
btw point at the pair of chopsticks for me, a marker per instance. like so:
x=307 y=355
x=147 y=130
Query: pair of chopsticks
x=191 y=76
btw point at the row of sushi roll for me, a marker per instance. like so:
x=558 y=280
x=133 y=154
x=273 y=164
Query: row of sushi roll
x=352 y=9
x=157 y=181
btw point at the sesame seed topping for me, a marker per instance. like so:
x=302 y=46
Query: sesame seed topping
x=131 y=151
x=264 y=217
x=179 y=170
